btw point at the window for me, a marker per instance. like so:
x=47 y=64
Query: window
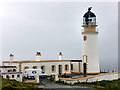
x=26 y=67
x=9 y=70
x=18 y=75
x=12 y=76
x=34 y=72
x=43 y=68
x=14 y=70
x=34 y=67
x=71 y=66
x=90 y=20
x=43 y=72
x=7 y=76
x=53 y=68
x=66 y=68
x=84 y=58
x=85 y=38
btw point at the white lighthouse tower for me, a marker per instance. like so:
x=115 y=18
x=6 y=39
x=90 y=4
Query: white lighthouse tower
x=90 y=54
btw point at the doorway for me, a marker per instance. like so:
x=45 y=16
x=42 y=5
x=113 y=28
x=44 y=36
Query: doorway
x=84 y=66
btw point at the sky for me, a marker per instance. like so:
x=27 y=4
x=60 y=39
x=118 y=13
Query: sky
x=51 y=27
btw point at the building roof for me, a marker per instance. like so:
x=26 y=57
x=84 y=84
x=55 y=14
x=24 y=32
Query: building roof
x=76 y=60
x=12 y=73
x=7 y=66
x=29 y=61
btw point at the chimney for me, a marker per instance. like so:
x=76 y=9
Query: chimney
x=11 y=58
x=60 y=56
x=38 y=56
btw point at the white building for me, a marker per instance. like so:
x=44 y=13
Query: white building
x=90 y=57
x=10 y=72
x=50 y=67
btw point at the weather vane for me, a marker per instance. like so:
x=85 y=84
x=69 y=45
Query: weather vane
x=89 y=8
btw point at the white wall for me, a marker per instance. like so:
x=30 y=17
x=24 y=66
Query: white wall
x=113 y=76
x=5 y=70
x=81 y=67
x=15 y=77
x=13 y=64
x=90 y=48
x=75 y=67
x=48 y=66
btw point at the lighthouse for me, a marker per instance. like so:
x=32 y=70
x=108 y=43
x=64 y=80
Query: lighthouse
x=90 y=54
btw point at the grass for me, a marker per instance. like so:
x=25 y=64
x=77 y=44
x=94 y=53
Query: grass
x=107 y=85
x=13 y=84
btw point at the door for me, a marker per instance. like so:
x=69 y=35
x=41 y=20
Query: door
x=60 y=69
x=84 y=65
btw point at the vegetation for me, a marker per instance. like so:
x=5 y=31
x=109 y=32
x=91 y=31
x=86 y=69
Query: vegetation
x=13 y=84
x=107 y=85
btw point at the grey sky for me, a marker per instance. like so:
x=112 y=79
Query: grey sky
x=54 y=27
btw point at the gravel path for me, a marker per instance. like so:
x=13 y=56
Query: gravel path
x=52 y=85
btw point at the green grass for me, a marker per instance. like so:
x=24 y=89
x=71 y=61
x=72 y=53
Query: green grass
x=13 y=84
x=107 y=85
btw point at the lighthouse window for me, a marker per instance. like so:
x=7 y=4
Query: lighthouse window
x=85 y=38
x=85 y=58
x=90 y=20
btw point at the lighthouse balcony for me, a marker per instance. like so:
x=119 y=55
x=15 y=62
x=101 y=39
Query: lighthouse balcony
x=89 y=24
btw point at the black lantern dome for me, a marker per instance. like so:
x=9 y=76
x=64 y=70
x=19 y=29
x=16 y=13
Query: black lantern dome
x=89 y=18
x=89 y=13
